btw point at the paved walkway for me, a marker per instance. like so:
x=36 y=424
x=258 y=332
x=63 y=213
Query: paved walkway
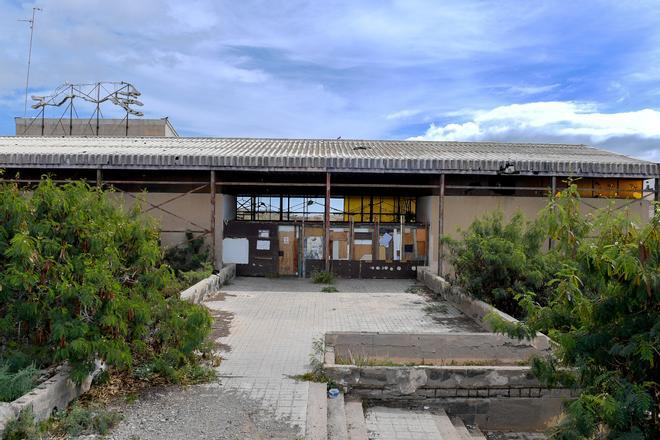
x=276 y=321
x=400 y=424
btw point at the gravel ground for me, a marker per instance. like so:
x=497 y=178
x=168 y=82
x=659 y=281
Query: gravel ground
x=197 y=412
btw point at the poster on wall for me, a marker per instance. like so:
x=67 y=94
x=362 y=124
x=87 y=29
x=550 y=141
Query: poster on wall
x=263 y=245
x=314 y=248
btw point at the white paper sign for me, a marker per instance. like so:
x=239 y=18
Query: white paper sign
x=235 y=250
x=263 y=245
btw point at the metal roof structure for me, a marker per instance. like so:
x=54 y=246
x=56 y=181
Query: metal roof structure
x=341 y=155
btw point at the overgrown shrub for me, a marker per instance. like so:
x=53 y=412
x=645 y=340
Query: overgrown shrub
x=495 y=261
x=604 y=313
x=322 y=277
x=81 y=278
x=13 y=384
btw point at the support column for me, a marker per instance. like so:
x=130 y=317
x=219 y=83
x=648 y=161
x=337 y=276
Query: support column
x=326 y=226
x=99 y=178
x=441 y=223
x=214 y=255
x=553 y=191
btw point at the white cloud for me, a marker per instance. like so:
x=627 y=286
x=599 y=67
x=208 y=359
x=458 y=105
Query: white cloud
x=637 y=132
x=403 y=114
x=533 y=90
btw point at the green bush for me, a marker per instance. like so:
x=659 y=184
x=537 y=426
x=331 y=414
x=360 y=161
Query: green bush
x=22 y=428
x=604 y=314
x=495 y=261
x=81 y=278
x=13 y=384
x=322 y=277
x=71 y=423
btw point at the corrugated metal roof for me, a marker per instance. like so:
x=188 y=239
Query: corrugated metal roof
x=315 y=155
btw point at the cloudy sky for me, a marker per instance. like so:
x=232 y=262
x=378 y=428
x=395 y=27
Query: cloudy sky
x=552 y=71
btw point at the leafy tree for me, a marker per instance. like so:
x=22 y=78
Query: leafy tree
x=495 y=261
x=80 y=279
x=604 y=314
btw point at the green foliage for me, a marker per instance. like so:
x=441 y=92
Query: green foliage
x=79 y=420
x=496 y=261
x=81 y=278
x=22 y=428
x=190 y=256
x=322 y=277
x=74 y=422
x=329 y=289
x=192 y=277
x=604 y=313
x=13 y=384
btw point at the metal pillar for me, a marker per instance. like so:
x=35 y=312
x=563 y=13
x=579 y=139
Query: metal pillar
x=441 y=223
x=99 y=178
x=326 y=225
x=212 y=226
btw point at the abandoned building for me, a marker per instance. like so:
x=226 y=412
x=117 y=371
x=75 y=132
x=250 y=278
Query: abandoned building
x=361 y=208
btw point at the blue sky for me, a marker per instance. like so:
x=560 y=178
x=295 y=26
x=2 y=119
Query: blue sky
x=544 y=71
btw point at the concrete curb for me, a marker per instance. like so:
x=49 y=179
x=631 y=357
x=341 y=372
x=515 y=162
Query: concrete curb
x=316 y=422
x=470 y=306
x=49 y=396
x=337 y=426
x=355 y=423
x=199 y=291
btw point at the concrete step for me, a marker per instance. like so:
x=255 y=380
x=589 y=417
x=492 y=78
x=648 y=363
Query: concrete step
x=355 y=422
x=461 y=429
x=337 y=426
x=445 y=427
x=316 y=425
x=476 y=433
x=385 y=423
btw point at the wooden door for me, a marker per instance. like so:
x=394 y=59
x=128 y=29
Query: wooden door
x=288 y=250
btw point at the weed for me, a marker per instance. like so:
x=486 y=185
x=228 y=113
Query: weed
x=22 y=427
x=79 y=420
x=433 y=308
x=317 y=374
x=322 y=277
x=329 y=289
x=13 y=384
x=417 y=289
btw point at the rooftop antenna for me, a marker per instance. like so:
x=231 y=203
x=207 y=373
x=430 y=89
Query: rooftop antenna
x=27 y=78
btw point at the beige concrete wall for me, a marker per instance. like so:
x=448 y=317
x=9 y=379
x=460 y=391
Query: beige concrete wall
x=87 y=127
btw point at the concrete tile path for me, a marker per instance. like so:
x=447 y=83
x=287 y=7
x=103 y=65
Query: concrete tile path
x=275 y=322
